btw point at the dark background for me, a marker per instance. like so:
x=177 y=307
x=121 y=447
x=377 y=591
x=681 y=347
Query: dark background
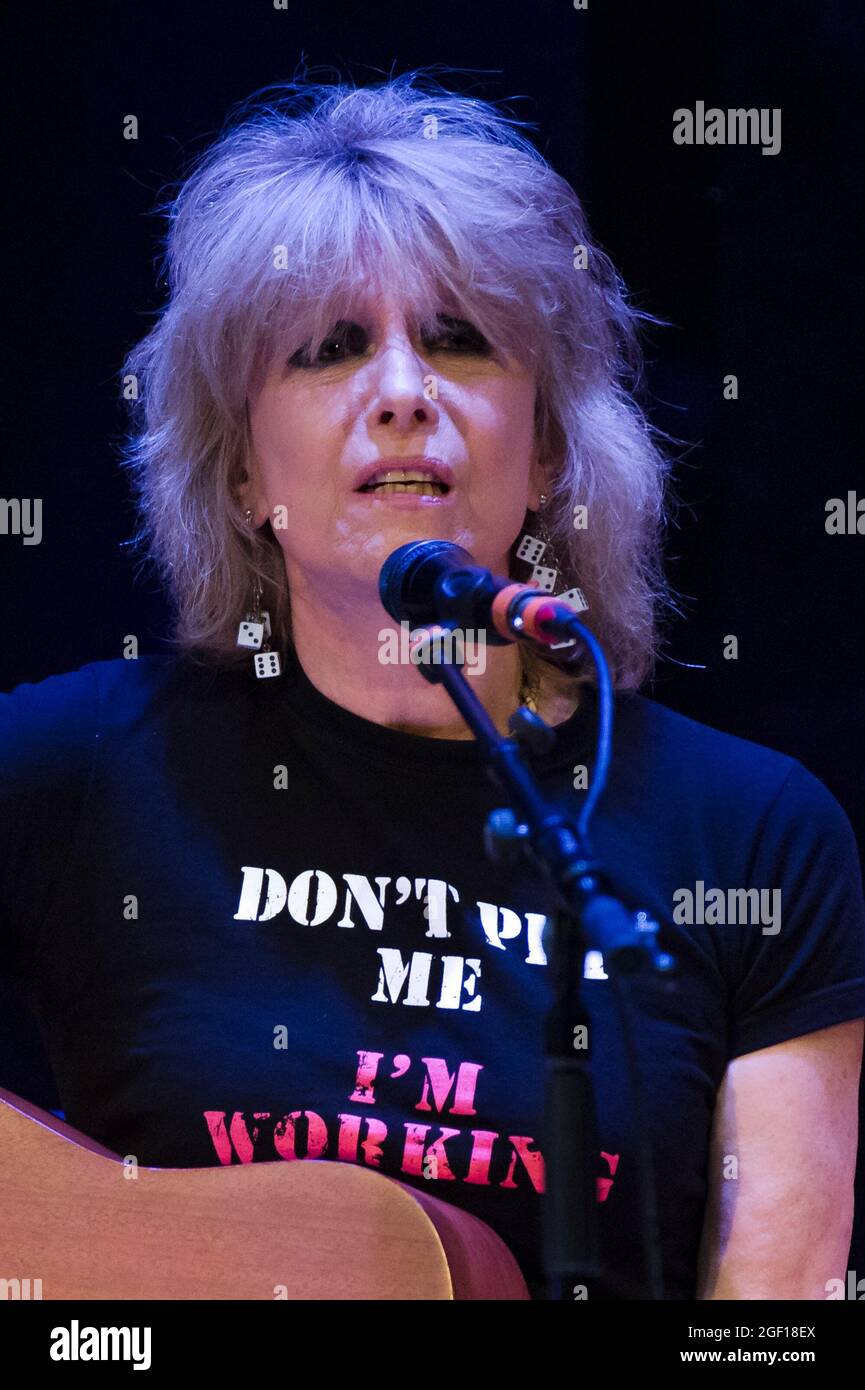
x=750 y=258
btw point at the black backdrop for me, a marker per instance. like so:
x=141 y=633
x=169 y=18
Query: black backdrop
x=750 y=258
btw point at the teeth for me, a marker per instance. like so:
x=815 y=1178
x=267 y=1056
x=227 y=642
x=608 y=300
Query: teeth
x=401 y=475
x=422 y=489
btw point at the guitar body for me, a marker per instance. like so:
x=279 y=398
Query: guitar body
x=72 y=1216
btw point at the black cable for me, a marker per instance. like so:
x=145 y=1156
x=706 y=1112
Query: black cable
x=645 y=1166
x=603 y=757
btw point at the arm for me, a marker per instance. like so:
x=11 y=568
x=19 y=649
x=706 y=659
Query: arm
x=788 y=1116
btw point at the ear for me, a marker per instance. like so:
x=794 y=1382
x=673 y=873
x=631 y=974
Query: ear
x=537 y=480
x=247 y=497
x=246 y=489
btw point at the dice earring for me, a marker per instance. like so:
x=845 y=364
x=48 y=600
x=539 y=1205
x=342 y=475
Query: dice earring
x=532 y=549
x=255 y=632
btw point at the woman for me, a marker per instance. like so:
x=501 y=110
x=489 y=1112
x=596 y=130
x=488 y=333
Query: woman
x=268 y=928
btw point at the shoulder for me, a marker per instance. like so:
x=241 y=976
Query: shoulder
x=60 y=716
x=730 y=780
x=750 y=838
x=695 y=755
x=57 y=703
x=678 y=743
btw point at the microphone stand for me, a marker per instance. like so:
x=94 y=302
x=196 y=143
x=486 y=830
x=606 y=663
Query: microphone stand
x=587 y=917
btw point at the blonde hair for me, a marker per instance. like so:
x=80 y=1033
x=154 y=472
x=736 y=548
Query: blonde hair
x=440 y=196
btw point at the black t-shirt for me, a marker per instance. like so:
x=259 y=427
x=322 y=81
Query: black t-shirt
x=254 y=926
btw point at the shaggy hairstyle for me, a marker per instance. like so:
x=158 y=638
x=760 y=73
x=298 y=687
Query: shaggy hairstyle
x=440 y=197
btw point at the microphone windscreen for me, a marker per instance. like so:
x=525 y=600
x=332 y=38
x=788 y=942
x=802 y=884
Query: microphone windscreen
x=407 y=580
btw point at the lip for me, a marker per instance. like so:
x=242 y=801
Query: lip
x=405 y=500
x=441 y=473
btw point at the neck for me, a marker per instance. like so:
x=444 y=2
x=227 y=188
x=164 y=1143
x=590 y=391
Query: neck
x=344 y=648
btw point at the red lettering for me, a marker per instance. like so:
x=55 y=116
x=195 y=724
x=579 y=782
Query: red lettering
x=414 y=1153
x=285 y=1135
x=482 y=1152
x=532 y=1159
x=364 y=1081
x=441 y=1081
x=237 y=1137
x=349 y=1139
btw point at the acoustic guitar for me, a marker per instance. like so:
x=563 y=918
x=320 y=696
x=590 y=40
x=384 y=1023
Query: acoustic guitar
x=74 y=1218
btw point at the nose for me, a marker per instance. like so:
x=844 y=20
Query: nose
x=404 y=385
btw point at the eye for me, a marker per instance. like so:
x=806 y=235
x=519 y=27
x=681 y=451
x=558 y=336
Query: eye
x=459 y=335
x=343 y=339
x=453 y=334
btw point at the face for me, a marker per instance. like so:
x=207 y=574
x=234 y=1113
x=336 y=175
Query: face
x=381 y=394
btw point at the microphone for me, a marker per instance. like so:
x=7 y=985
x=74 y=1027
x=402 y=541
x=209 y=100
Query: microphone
x=426 y=582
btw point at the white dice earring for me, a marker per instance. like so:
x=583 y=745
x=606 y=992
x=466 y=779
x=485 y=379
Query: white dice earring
x=532 y=548
x=255 y=631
